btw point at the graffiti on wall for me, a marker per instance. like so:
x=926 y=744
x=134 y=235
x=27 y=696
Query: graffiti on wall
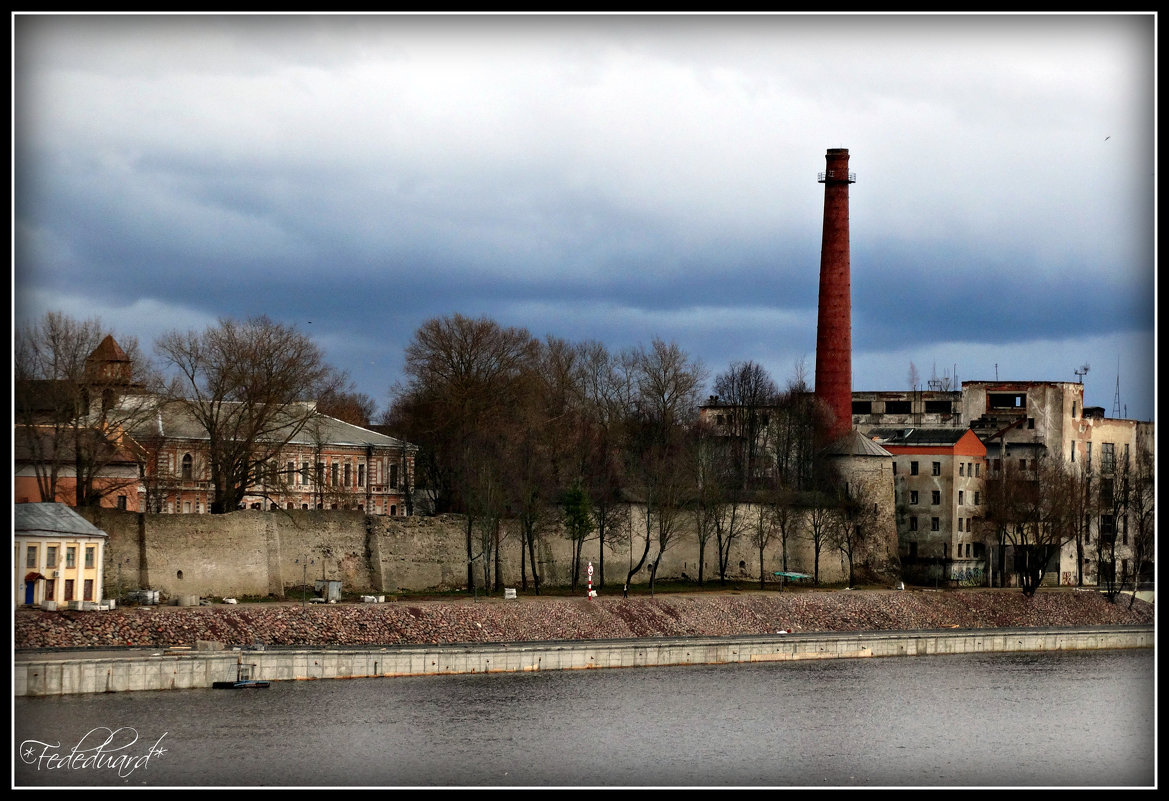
x=969 y=577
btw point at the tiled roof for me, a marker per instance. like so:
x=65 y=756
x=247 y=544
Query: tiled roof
x=51 y=518
x=174 y=420
x=109 y=351
x=856 y=444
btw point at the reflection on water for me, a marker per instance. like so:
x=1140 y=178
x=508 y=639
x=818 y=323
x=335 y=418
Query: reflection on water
x=1081 y=718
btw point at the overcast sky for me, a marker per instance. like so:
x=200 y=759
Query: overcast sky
x=611 y=178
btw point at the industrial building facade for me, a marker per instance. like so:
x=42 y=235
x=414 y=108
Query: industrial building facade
x=946 y=444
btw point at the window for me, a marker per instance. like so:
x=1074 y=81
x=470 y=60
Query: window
x=70 y=557
x=69 y=589
x=320 y=472
x=361 y=475
x=894 y=468
x=30 y=558
x=913 y=524
x=936 y=497
x=50 y=556
x=961 y=497
x=348 y=477
x=1107 y=457
x=936 y=469
x=961 y=468
x=1107 y=494
x=188 y=467
x=304 y=472
x=935 y=524
x=913 y=497
x=333 y=471
x=977 y=498
x=122 y=502
x=393 y=476
x=1107 y=527
x=977 y=469
x=1088 y=455
x=186 y=507
x=967 y=550
x=290 y=470
x=1030 y=422
x=898 y=407
x=959 y=524
x=1073 y=450
x=90 y=551
x=913 y=468
x=88 y=590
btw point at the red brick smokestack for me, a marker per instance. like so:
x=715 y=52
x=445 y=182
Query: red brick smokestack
x=834 y=325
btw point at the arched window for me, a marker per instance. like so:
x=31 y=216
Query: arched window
x=188 y=467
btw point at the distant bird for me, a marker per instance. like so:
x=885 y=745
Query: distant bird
x=1107 y=138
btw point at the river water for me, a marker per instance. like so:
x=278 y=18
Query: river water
x=1056 y=719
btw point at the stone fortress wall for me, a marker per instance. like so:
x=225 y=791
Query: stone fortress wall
x=257 y=553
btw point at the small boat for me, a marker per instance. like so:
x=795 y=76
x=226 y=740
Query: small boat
x=243 y=680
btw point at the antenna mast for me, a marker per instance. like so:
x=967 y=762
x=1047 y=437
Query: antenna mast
x=1116 y=399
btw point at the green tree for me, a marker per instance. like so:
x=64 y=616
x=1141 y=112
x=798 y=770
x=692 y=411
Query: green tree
x=578 y=524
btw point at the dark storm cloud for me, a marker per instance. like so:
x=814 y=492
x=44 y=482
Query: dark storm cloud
x=609 y=178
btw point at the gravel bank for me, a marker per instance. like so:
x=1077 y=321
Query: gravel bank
x=527 y=619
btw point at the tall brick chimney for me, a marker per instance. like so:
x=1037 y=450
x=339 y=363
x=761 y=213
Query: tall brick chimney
x=834 y=324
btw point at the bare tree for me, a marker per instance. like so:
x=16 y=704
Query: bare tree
x=1084 y=505
x=746 y=396
x=1029 y=508
x=347 y=405
x=793 y=433
x=466 y=379
x=668 y=382
x=762 y=535
x=250 y=385
x=784 y=519
x=853 y=516
x=608 y=393
x=819 y=529
x=78 y=395
x=1142 y=512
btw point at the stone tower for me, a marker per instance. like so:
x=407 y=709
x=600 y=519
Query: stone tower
x=834 y=323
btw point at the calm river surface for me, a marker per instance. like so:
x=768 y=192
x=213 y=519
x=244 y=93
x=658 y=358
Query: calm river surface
x=1065 y=719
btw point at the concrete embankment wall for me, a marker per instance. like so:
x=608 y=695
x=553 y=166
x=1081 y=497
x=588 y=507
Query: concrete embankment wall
x=38 y=675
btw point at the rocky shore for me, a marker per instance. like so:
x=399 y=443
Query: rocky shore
x=540 y=618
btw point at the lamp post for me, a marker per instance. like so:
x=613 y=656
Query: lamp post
x=304 y=563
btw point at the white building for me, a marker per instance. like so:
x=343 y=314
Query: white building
x=58 y=556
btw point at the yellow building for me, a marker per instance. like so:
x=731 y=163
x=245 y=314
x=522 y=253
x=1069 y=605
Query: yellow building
x=57 y=557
